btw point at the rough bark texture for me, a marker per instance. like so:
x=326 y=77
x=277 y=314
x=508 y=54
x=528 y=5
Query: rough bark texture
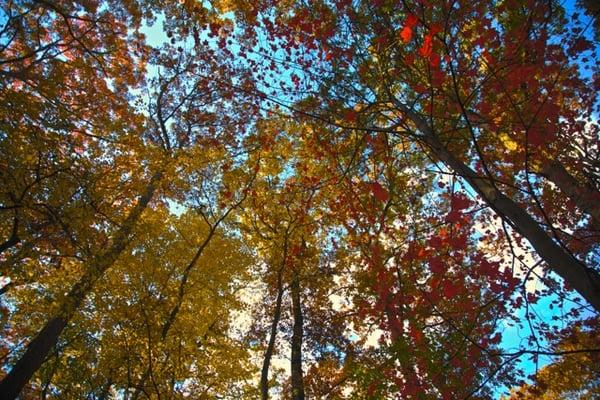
x=44 y=341
x=297 y=333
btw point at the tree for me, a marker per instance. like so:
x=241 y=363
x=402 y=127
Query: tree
x=574 y=375
x=127 y=327
x=170 y=127
x=481 y=88
x=404 y=179
x=463 y=84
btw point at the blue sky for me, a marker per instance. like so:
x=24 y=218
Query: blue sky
x=514 y=337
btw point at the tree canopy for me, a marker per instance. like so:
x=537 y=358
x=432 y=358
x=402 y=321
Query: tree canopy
x=339 y=199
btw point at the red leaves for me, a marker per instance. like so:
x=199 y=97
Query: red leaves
x=436 y=265
x=458 y=241
x=406 y=34
x=411 y=21
x=458 y=203
x=434 y=60
x=580 y=45
x=434 y=29
x=449 y=289
x=427 y=47
x=417 y=335
x=379 y=192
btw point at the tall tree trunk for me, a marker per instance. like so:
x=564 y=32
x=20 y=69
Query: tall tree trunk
x=588 y=200
x=264 y=373
x=42 y=343
x=297 y=333
x=578 y=276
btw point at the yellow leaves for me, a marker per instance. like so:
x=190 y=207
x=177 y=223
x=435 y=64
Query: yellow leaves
x=132 y=303
x=508 y=142
x=225 y=6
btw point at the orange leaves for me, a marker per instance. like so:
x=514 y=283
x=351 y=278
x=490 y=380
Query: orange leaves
x=426 y=49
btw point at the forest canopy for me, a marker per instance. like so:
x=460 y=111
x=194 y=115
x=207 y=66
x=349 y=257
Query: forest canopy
x=330 y=199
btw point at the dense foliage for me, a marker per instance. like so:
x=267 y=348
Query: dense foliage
x=324 y=199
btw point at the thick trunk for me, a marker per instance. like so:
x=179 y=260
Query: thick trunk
x=264 y=373
x=40 y=346
x=588 y=200
x=584 y=280
x=297 y=333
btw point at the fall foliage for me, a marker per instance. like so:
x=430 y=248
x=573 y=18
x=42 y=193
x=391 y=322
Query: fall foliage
x=299 y=199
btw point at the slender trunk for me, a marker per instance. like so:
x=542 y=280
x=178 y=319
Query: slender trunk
x=264 y=373
x=42 y=343
x=588 y=200
x=48 y=381
x=578 y=276
x=10 y=242
x=297 y=333
x=180 y=294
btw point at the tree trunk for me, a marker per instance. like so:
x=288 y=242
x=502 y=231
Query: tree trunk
x=264 y=373
x=40 y=346
x=297 y=333
x=578 y=276
x=586 y=199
